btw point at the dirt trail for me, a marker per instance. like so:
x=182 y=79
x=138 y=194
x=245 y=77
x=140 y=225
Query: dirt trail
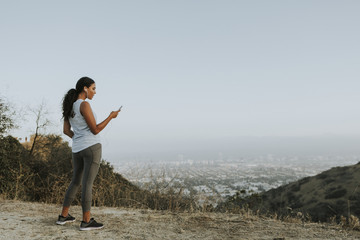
x=24 y=220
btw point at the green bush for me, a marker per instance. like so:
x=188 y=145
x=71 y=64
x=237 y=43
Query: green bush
x=335 y=193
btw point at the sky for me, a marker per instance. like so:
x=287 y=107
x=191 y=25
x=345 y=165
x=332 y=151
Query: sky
x=190 y=75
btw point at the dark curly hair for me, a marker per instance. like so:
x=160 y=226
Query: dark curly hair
x=72 y=95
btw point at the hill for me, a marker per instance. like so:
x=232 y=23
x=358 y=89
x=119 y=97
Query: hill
x=44 y=174
x=26 y=220
x=329 y=195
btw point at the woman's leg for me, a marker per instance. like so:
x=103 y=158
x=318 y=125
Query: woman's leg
x=92 y=158
x=78 y=166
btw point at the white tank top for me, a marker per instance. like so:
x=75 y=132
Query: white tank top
x=83 y=137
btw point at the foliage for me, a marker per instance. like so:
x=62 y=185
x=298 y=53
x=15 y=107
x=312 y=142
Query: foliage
x=239 y=202
x=45 y=175
x=14 y=171
x=6 y=117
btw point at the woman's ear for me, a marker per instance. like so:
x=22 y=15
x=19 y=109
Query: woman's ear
x=85 y=89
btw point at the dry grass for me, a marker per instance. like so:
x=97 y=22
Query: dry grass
x=46 y=176
x=129 y=223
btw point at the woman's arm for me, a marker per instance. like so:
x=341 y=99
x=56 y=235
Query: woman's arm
x=67 y=129
x=88 y=115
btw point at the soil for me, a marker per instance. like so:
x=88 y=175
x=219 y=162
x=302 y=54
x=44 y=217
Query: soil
x=28 y=220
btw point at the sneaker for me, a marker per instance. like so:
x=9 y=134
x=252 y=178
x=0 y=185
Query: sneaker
x=92 y=224
x=62 y=220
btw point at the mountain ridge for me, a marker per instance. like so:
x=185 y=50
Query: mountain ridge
x=333 y=193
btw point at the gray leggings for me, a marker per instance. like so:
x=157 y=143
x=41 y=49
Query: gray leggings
x=86 y=165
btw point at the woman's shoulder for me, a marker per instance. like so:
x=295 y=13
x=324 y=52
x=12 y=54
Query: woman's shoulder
x=84 y=103
x=85 y=106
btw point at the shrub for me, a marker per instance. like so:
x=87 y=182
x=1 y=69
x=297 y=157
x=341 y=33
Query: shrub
x=45 y=175
x=304 y=180
x=295 y=187
x=322 y=176
x=335 y=194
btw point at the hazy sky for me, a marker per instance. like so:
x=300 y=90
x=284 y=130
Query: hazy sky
x=187 y=71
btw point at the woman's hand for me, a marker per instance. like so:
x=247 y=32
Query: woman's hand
x=67 y=129
x=114 y=114
x=88 y=115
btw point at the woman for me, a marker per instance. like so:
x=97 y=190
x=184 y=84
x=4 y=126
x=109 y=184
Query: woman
x=80 y=125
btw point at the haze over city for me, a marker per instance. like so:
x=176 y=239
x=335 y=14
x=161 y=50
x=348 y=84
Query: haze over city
x=194 y=77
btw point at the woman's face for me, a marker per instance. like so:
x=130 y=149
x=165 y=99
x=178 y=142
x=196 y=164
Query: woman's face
x=91 y=91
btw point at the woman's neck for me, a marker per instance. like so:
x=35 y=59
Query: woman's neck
x=82 y=96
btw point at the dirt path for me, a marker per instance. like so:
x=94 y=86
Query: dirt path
x=23 y=220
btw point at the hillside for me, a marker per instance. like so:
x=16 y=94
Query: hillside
x=332 y=193
x=26 y=220
x=45 y=174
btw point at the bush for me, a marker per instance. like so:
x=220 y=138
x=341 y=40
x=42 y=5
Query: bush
x=6 y=117
x=14 y=171
x=45 y=175
x=304 y=180
x=335 y=194
x=322 y=176
x=295 y=187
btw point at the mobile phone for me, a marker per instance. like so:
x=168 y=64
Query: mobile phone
x=120 y=108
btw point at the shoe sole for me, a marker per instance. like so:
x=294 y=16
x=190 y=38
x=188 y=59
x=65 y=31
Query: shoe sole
x=63 y=222
x=90 y=228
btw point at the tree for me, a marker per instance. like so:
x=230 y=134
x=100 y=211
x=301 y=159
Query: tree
x=41 y=123
x=6 y=117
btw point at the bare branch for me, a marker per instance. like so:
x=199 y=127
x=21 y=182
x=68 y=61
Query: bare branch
x=42 y=122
